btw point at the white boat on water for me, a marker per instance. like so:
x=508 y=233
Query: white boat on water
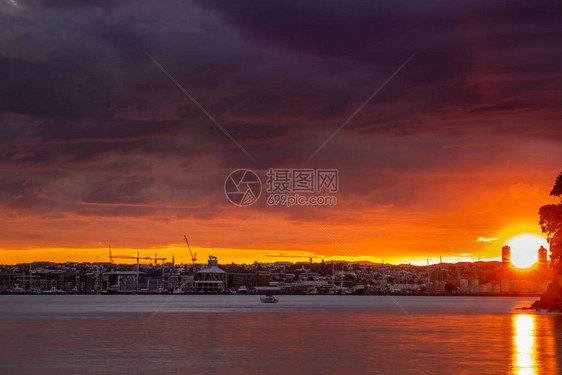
x=269 y=299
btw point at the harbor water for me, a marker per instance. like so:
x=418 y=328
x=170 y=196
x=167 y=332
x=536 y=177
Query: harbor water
x=236 y=334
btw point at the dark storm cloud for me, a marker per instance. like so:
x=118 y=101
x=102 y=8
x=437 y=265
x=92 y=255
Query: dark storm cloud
x=80 y=98
x=359 y=30
x=126 y=190
x=457 y=45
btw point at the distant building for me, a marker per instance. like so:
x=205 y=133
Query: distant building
x=542 y=255
x=283 y=264
x=505 y=286
x=440 y=274
x=211 y=279
x=249 y=280
x=506 y=255
x=473 y=285
x=463 y=285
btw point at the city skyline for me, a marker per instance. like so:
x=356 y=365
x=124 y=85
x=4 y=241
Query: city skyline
x=120 y=124
x=520 y=248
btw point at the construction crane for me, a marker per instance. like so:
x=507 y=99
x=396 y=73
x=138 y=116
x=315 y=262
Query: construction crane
x=156 y=259
x=193 y=256
x=138 y=258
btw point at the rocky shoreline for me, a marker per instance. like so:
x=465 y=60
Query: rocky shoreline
x=551 y=300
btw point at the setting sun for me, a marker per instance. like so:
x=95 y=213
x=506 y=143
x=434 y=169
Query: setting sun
x=524 y=249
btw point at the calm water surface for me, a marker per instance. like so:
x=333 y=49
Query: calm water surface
x=300 y=334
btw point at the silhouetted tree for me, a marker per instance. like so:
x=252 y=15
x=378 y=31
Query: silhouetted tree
x=557 y=189
x=551 y=224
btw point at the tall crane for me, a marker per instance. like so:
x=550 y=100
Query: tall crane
x=193 y=256
x=156 y=259
x=138 y=258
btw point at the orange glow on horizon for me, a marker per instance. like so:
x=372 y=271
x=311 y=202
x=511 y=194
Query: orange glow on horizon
x=225 y=256
x=458 y=230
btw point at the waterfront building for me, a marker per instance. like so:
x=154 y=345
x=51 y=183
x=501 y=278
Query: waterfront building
x=210 y=279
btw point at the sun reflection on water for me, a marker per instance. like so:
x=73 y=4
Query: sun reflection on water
x=524 y=345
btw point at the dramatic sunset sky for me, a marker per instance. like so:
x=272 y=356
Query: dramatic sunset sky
x=452 y=157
